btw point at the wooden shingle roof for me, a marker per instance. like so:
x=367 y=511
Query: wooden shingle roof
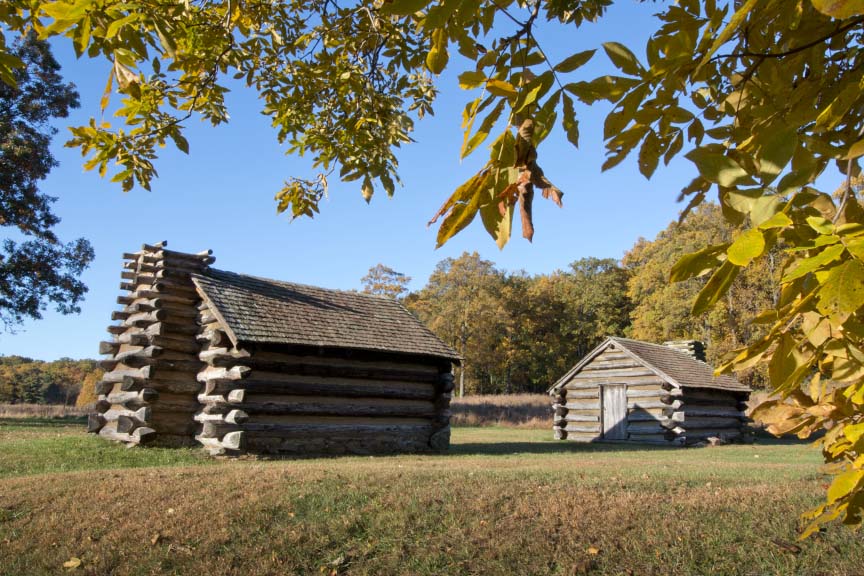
x=678 y=368
x=264 y=311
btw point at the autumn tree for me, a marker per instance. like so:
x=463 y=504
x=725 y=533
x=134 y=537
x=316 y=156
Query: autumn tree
x=384 y=281
x=762 y=96
x=662 y=311
x=37 y=269
x=457 y=302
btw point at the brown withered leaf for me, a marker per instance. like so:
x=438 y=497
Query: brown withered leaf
x=526 y=197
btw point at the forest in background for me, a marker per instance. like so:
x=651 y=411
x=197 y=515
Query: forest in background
x=519 y=333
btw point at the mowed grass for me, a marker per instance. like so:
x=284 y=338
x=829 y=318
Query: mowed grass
x=505 y=501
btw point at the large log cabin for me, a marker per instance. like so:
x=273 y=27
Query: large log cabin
x=243 y=364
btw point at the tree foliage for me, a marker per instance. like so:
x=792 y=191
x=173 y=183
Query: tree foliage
x=662 y=310
x=519 y=333
x=762 y=96
x=26 y=380
x=40 y=269
x=384 y=281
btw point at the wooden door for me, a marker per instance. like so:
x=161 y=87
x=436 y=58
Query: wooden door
x=615 y=412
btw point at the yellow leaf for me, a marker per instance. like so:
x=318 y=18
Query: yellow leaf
x=844 y=484
x=839 y=8
x=749 y=245
x=593 y=551
x=72 y=563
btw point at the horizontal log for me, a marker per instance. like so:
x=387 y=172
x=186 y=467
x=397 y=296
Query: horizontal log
x=582 y=405
x=582 y=437
x=582 y=384
x=233 y=373
x=165 y=297
x=143 y=396
x=581 y=418
x=718 y=398
x=620 y=375
x=101 y=405
x=104 y=387
x=141 y=415
x=141 y=435
x=109 y=347
x=331 y=368
x=325 y=406
x=582 y=394
x=95 y=422
x=701 y=411
x=264 y=383
x=595 y=429
x=125 y=424
x=617 y=364
x=659 y=394
x=559 y=433
x=117 y=329
x=651 y=428
x=691 y=422
x=659 y=439
x=232 y=417
x=646 y=404
x=280 y=430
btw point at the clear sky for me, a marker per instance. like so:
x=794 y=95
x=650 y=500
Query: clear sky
x=220 y=197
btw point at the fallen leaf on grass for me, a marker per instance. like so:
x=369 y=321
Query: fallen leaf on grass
x=787 y=546
x=593 y=551
x=72 y=563
x=155 y=539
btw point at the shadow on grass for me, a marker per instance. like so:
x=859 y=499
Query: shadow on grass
x=59 y=422
x=499 y=448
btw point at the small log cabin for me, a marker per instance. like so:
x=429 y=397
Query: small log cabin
x=244 y=364
x=631 y=391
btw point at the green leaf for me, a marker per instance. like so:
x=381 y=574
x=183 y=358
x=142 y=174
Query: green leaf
x=718 y=168
x=437 y=58
x=715 y=288
x=820 y=224
x=649 y=154
x=697 y=263
x=776 y=152
x=574 y=61
x=483 y=131
x=571 y=125
x=533 y=90
x=734 y=23
x=623 y=58
x=403 y=7
x=814 y=263
x=778 y=220
x=842 y=291
x=749 y=245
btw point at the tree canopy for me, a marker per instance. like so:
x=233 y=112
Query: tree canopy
x=764 y=97
x=40 y=269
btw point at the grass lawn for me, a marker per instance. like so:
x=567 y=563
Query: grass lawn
x=505 y=501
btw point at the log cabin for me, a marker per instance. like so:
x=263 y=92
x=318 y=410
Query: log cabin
x=630 y=391
x=241 y=364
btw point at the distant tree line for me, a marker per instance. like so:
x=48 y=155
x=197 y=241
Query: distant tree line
x=520 y=333
x=25 y=380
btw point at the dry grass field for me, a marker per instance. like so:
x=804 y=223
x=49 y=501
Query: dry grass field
x=504 y=501
x=41 y=411
x=512 y=410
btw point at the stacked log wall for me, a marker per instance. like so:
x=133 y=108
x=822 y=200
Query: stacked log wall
x=282 y=401
x=148 y=393
x=653 y=405
x=713 y=413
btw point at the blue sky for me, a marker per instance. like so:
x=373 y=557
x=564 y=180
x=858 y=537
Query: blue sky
x=220 y=197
